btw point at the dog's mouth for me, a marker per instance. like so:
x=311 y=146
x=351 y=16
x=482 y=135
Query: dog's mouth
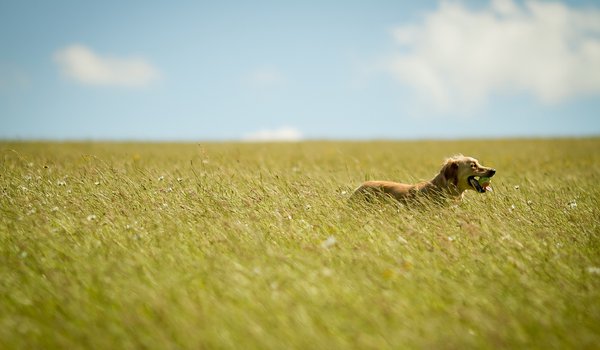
x=479 y=187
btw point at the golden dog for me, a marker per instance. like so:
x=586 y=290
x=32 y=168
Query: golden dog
x=458 y=174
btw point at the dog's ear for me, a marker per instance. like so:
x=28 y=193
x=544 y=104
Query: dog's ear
x=450 y=171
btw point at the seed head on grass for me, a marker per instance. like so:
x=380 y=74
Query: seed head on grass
x=329 y=242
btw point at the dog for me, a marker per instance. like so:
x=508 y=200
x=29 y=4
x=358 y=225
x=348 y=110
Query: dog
x=458 y=174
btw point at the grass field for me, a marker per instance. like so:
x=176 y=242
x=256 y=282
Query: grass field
x=255 y=246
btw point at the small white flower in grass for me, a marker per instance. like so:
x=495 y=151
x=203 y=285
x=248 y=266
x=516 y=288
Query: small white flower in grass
x=327 y=272
x=572 y=204
x=97 y=183
x=344 y=193
x=61 y=183
x=512 y=207
x=23 y=254
x=517 y=187
x=451 y=238
x=329 y=242
x=91 y=217
x=179 y=179
x=593 y=270
x=160 y=178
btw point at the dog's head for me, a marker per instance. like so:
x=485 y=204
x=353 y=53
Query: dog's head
x=464 y=173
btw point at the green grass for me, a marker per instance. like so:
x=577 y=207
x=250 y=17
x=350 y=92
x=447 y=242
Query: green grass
x=248 y=246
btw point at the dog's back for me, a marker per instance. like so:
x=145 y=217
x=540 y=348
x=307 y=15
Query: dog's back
x=372 y=189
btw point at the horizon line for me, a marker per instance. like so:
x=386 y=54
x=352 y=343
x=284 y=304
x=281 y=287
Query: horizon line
x=303 y=140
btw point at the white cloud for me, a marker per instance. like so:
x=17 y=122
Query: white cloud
x=457 y=57
x=81 y=64
x=282 y=134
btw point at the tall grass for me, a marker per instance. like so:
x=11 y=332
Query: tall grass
x=256 y=246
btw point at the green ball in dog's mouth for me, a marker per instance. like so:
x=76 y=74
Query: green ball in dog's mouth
x=480 y=184
x=484 y=182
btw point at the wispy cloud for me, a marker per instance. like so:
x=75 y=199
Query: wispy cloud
x=265 y=77
x=456 y=58
x=83 y=65
x=285 y=133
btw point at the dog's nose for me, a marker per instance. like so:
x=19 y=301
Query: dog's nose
x=492 y=172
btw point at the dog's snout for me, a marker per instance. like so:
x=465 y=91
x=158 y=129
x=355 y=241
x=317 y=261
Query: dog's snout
x=491 y=172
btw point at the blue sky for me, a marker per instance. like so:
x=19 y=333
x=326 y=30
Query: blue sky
x=263 y=70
